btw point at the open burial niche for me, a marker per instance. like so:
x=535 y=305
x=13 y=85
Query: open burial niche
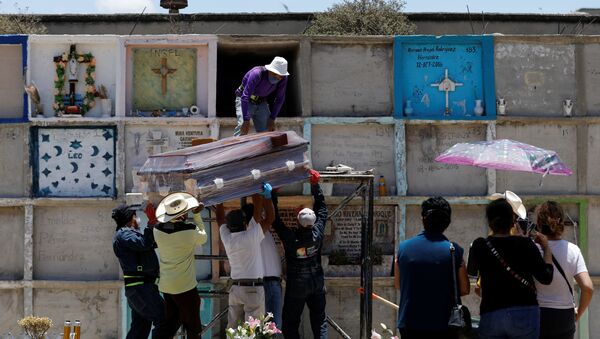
x=235 y=59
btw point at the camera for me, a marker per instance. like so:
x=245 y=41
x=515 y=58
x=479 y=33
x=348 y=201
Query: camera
x=527 y=227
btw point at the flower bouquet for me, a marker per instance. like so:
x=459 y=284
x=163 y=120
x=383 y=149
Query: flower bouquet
x=254 y=329
x=375 y=335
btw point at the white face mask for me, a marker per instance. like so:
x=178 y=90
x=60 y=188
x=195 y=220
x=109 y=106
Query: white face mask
x=138 y=221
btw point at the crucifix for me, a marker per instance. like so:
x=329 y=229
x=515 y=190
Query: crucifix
x=447 y=85
x=163 y=71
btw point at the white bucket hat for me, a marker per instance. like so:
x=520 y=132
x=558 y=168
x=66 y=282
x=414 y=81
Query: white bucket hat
x=515 y=202
x=278 y=66
x=175 y=205
x=306 y=217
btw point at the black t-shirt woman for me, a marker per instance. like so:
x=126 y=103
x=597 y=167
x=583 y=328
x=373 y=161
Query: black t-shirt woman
x=507 y=265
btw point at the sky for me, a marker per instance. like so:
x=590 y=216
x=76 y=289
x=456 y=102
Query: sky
x=266 y=6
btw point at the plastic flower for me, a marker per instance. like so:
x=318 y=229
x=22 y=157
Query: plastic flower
x=93 y=74
x=93 y=62
x=375 y=335
x=80 y=59
x=253 y=323
x=65 y=57
x=55 y=106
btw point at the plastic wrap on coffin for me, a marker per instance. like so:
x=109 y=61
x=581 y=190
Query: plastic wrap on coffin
x=229 y=168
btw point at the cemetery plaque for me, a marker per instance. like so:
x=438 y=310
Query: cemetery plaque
x=164 y=78
x=444 y=77
x=74 y=161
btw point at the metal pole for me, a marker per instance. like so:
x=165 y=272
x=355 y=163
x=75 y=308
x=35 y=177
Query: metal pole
x=337 y=328
x=363 y=254
x=369 y=264
x=214 y=321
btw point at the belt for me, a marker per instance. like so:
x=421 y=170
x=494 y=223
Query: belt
x=254 y=99
x=278 y=279
x=135 y=281
x=247 y=282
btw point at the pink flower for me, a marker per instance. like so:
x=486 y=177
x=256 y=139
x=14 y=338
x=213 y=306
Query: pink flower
x=375 y=335
x=253 y=323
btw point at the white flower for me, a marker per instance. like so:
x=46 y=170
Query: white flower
x=375 y=335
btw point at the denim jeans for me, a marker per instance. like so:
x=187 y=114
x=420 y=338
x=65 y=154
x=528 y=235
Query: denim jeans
x=147 y=308
x=521 y=322
x=260 y=115
x=274 y=300
x=300 y=290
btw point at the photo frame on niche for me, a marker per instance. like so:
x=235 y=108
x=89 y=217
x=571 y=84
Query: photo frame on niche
x=444 y=78
x=13 y=52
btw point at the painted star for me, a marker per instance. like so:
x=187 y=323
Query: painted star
x=107 y=135
x=46 y=172
x=45 y=137
x=75 y=144
x=45 y=192
x=105 y=189
x=107 y=156
x=106 y=172
x=46 y=157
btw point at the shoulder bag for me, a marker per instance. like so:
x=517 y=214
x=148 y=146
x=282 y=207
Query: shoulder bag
x=460 y=317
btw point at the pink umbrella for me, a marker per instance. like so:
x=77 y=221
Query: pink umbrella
x=505 y=155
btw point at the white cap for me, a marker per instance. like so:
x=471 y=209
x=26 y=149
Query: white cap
x=278 y=66
x=307 y=217
x=515 y=202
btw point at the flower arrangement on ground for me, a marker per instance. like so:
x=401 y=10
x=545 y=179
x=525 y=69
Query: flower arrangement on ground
x=254 y=329
x=35 y=327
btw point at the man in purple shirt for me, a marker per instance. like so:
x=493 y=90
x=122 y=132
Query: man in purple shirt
x=251 y=102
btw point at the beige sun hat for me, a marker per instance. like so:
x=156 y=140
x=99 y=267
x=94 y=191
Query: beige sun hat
x=515 y=202
x=175 y=205
x=278 y=66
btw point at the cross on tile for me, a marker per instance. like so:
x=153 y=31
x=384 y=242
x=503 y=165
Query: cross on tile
x=447 y=85
x=163 y=71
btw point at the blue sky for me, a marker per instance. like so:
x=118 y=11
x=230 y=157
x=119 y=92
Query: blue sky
x=232 y=6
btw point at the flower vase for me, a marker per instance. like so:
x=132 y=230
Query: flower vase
x=478 y=110
x=106 y=106
x=408 y=110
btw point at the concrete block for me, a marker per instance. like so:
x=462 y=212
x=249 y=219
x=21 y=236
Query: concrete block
x=361 y=146
x=12 y=311
x=43 y=70
x=593 y=258
x=97 y=309
x=11 y=243
x=351 y=80
x=593 y=159
x=468 y=224
x=144 y=140
x=74 y=243
x=591 y=77
x=535 y=78
x=14 y=167
x=559 y=138
x=11 y=87
x=427 y=177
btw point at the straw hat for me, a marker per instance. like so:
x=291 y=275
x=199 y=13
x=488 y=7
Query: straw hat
x=515 y=202
x=175 y=205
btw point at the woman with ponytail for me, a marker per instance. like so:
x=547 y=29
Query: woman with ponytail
x=558 y=313
x=507 y=265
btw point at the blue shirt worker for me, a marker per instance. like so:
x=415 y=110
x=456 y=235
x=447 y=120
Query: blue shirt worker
x=423 y=273
x=135 y=251
x=305 y=284
x=260 y=85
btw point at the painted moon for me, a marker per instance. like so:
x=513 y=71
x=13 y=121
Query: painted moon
x=58 y=150
x=75 y=167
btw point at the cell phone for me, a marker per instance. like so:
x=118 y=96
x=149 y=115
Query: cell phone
x=527 y=227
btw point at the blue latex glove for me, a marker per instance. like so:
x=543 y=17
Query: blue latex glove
x=267 y=189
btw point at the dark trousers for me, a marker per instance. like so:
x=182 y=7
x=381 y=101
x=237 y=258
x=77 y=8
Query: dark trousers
x=422 y=334
x=183 y=309
x=557 y=323
x=301 y=290
x=147 y=308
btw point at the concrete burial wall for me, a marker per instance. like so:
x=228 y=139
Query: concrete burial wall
x=56 y=231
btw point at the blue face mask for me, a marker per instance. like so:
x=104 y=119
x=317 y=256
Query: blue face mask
x=273 y=80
